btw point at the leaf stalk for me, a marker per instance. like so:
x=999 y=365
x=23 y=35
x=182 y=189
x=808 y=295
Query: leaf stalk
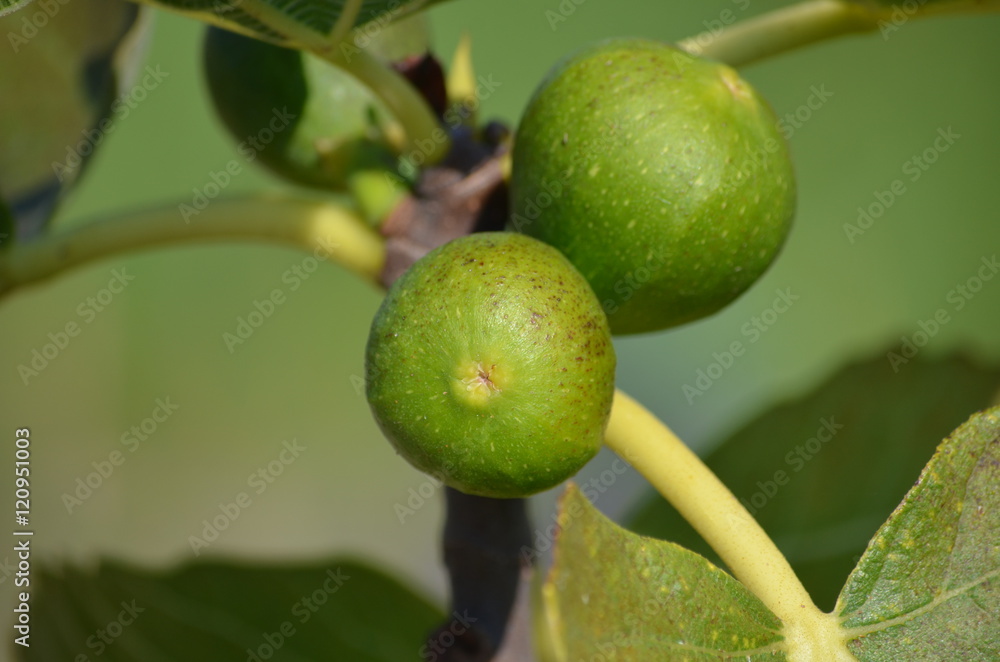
x=642 y=440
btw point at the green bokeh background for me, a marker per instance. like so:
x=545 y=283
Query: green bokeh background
x=298 y=376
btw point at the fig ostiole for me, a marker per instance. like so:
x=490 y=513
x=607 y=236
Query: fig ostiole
x=663 y=177
x=490 y=366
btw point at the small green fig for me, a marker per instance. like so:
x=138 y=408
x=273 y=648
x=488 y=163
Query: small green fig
x=490 y=366
x=304 y=118
x=663 y=178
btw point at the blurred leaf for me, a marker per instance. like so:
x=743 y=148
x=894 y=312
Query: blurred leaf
x=6 y=226
x=625 y=597
x=926 y=588
x=11 y=6
x=275 y=21
x=305 y=118
x=67 y=66
x=822 y=501
x=909 y=8
x=400 y=39
x=222 y=612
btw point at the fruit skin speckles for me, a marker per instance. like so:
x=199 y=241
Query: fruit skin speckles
x=676 y=187
x=491 y=366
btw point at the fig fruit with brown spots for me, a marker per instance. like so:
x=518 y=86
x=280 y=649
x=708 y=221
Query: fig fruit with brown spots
x=490 y=366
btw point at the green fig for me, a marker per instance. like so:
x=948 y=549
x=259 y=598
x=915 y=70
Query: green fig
x=490 y=366
x=304 y=118
x=663 y=177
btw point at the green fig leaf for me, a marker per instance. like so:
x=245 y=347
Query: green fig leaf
x=283 y=22
x=11 y=6
x=927 y=587
x=87 y=54
x=864 y=436
x=224 y=612
x=626 y=597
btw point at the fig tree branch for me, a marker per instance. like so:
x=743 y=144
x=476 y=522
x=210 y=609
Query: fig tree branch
x=334 y=231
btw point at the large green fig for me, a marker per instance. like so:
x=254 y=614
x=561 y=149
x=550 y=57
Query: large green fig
x=662 y=177
x=490 y=366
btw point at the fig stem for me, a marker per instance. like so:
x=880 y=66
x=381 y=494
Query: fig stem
x=808 y=22
x=348 y=17
x=783 y=30
x=419 y=125
x=328 y=229
x=423 y=133
x=642 y=440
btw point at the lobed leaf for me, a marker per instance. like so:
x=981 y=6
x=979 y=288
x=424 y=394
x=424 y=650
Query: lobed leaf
x=223 y=612
x=927 y=587
x=622 y=596
x=279 y=21
x=85 y=52
x=822 y=473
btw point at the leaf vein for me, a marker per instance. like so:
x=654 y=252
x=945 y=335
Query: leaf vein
x=902 y=619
